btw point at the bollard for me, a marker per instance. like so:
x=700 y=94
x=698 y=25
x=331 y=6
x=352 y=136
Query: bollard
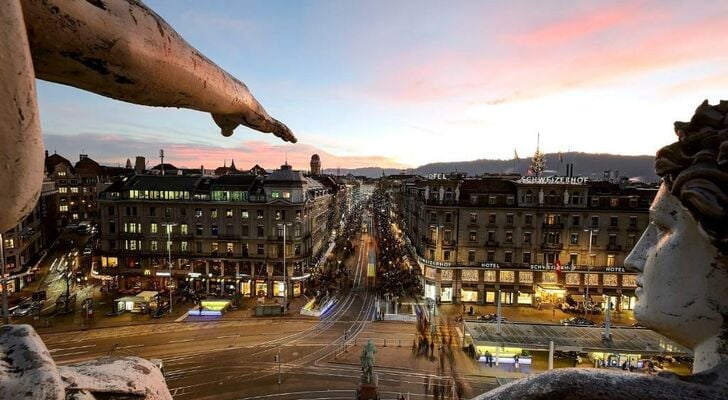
x=385 y=342
x=399 y=343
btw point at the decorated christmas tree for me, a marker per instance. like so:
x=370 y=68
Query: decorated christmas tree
x=538 y=162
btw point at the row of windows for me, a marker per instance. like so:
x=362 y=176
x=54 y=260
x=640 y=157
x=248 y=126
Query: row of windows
x=226 y=248
x=159 y=194
x=526 y=257
x=131 y=211
x=136 y=227
x=549 y=219
x=503 y=276
x=548 y=237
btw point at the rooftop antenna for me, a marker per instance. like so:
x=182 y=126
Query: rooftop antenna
x=161 y=156
x=286 y=153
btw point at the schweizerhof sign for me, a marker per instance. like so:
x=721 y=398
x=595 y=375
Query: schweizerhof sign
x=558 y=180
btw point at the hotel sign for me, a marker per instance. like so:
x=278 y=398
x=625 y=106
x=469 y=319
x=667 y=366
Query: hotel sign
x=615 y=269
x=490 y=265
x=434 y=263
x=559 y=180
x=541 y=267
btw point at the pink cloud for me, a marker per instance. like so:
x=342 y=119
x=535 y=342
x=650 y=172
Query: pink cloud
x=112 y=149
x=631 y=41
x=579 y=26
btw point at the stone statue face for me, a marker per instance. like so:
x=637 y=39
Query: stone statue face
x=679 y=280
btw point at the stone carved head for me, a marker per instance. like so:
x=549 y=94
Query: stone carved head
x=681 y=257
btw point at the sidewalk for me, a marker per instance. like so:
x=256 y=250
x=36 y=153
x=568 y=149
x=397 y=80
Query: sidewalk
x=548 y=314
x=102 y=304
x=395 y=357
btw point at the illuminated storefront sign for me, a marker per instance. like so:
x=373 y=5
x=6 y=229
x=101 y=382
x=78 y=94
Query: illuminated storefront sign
x=615 y=269
x=562 y=180
x=434 y=263
x=490 y=265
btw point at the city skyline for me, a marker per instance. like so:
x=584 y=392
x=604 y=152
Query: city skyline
x=357 y=84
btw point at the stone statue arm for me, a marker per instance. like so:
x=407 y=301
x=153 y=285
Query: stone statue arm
x=123 y=50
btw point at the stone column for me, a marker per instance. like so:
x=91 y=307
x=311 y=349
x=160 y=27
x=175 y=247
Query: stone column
x=457 y=284
x=481 y=287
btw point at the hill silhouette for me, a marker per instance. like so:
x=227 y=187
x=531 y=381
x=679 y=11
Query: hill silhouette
x=585 y=164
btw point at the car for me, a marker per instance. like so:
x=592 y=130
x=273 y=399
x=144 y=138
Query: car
x=26 y=308
x=114 y=313
x=577 y=321
x=87 y=251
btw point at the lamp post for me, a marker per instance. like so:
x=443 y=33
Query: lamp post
x=169 y=226
x=6 y=316
x=591 y=231
x=285 y=276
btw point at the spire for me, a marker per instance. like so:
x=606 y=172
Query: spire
x=232 y=165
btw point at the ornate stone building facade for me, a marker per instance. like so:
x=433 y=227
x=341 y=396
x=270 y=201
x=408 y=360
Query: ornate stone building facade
x=526 y=238
x=225 y=233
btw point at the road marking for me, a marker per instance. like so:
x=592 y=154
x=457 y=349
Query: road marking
x=226 y=336
x=131 y=346
x=75 y=353
x=182 y=318
x=71 y=348
x=181 y=341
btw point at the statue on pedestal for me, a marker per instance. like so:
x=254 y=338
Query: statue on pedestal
x=368 y=386
x=367 y=362
x=682 y=283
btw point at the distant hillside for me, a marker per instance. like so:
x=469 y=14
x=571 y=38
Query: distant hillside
x=585 y=164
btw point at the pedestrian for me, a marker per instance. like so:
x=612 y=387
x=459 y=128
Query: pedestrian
x=472 y=311
x=553 y=313
x=432 y=347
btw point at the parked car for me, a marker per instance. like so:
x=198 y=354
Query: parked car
x=26 y=308
x=160 y=312
x=577 y=321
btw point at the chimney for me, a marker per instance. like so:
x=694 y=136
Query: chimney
x=82 y=157
x=46 y=153
x=139 y=165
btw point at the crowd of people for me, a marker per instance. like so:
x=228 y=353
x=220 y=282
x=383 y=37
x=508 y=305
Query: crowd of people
x=395 y=276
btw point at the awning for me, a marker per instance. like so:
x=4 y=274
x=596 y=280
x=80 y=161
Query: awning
x=578 y=298
x=549 y=287
x=526 y=290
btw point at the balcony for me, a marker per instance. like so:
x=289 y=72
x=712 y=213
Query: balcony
x=491 y=243
x=427 y=241
x=449 y=242
x=614 y=247
x=552 y=246
x=228 y=236
x=135 y=235
x=553 y=225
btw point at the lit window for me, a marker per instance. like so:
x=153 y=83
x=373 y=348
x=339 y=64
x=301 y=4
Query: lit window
x=153 y=227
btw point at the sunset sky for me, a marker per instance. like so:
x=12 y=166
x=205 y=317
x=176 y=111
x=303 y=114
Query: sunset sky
x=404 y=83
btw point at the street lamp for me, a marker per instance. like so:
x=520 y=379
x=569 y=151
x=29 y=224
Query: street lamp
x=285 y=276
x=6 y=315
x=169 y=226
x=591 y=231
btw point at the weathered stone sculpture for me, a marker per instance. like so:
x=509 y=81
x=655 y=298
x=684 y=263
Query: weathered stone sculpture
x=117 y=48
x=27 y=371
x=682 y=262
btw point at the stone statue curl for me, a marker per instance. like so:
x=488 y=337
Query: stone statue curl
x=682 y=281
x=116 y=48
